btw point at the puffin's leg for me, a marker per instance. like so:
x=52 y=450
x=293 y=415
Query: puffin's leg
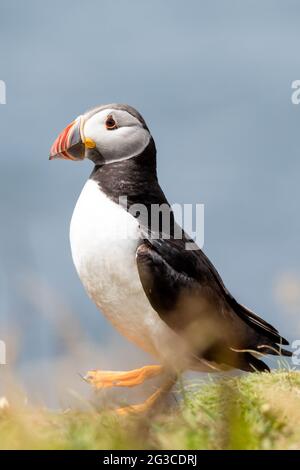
x=131 y=378
x=152 y=402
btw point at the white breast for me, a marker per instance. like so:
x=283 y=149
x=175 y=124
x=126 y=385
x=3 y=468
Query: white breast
x=104 y=239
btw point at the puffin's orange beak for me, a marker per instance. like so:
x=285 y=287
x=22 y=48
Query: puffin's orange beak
x=69 y=145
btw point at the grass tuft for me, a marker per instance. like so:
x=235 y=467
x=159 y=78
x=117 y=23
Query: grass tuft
x=254 y=411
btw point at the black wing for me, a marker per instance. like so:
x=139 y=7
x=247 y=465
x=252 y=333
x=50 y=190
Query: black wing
x=189 y=295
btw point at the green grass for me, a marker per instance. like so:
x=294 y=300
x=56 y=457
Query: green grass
x=255 y=411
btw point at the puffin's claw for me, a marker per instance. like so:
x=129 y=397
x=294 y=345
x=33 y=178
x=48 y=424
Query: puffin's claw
x=140 y=407
x=151 y=403
x=131 y=378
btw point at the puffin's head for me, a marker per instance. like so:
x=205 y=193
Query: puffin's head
x=106 y=134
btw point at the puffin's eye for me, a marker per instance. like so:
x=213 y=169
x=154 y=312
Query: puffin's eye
x=110 y=123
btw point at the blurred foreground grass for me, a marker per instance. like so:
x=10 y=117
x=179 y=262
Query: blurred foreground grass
x=255 y=411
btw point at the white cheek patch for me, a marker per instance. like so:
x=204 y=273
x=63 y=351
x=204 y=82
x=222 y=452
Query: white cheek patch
x=127 y=141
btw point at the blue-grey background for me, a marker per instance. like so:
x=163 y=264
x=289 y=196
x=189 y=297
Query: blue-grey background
x=213 y=81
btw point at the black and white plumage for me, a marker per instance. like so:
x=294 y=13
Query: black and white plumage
x=168 y=300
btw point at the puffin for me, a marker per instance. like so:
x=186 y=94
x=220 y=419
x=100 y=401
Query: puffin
x=166 y=298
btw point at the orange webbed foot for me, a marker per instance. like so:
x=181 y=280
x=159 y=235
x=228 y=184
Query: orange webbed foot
x=132 y=378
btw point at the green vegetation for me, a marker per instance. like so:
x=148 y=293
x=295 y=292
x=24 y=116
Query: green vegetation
x=255 y=411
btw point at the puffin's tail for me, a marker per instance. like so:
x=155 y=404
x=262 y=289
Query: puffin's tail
x=263 y=338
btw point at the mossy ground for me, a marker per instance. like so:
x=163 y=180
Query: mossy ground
x=254 y=411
